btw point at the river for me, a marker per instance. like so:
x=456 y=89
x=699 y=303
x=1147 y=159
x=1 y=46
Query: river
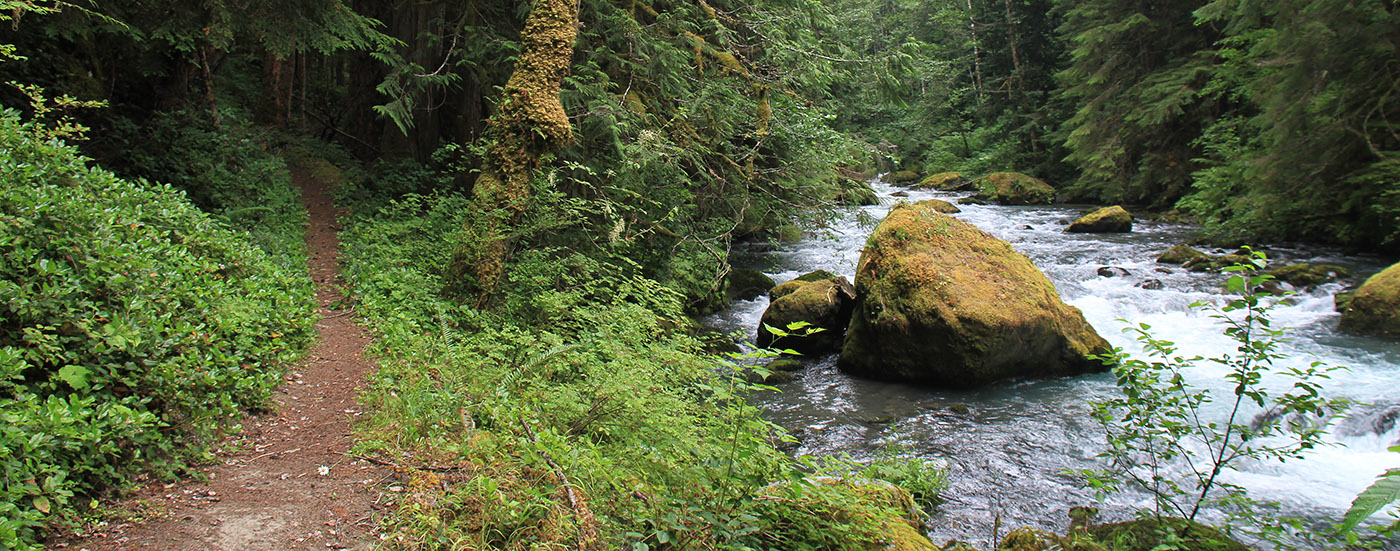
x=1007 y=451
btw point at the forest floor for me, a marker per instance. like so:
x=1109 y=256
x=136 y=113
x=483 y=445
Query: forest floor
x=288 y=480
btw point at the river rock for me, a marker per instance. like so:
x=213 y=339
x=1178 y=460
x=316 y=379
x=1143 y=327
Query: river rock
x=1180 y=254
x=944 y=303
x=1307 y=275
x=1151 y=284
x=826 y=304
x=1112 y=219
x=1014 y=188
x=901 y=178
x=946 y=181
x=746 y=284
x=1375 y=307
x=788 y=287
x=942 y=206
x=1112 y=271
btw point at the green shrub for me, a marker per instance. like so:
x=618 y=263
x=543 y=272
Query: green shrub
x=133 y=328
x=574 y=413
x=226 y=169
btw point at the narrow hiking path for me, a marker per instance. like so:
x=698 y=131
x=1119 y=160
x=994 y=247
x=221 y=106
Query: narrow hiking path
x=286 y=483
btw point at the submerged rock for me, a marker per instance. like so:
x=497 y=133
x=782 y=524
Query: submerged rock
x=1374 y=309
x=1112 y=271
x=1112 y=219
x=944 y=303
x=1014 y=188
x=826 y=304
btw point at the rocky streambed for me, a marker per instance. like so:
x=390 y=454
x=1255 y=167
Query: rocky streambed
x=1008 y=445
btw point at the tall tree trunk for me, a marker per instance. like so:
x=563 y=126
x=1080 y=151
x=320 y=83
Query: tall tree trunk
x=976 y=53
x=531 y=121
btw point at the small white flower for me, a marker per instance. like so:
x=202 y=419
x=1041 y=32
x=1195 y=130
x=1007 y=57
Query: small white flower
x=323 y=470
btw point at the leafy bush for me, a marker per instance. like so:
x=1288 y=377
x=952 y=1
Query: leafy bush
x=574 y=414
x=227 y=169
x=133 y=327
x=1163 y=439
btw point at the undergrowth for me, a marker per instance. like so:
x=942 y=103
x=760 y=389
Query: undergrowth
x=133 y=330
x=577 y=413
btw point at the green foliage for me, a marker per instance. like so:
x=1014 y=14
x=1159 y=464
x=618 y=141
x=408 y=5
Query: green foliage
x=133 y=329
x=574 y=414
x=225 y=169
x=1164 y=424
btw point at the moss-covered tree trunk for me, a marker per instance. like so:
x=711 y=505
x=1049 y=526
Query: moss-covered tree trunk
x=530 y=122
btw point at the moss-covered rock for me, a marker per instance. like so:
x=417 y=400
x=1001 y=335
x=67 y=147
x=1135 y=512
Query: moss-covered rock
x=1112 y=219
x=1309 y=275
x=826 y=304
x=942 y=206
x=1148 y=534
x=944 y=303
x=1375 y=307
x=788 y=287
x=746 y=284
x=946 y=181
x=784 y=364
x=1180 y=254
x=1014 y=188
x=902 y=177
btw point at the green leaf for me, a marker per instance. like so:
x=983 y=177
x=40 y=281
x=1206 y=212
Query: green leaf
x=42 y=504
x=1384 y=491
x=75 y=375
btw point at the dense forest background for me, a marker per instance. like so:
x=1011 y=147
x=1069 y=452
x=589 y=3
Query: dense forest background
x=153 y=264
x=697 y=123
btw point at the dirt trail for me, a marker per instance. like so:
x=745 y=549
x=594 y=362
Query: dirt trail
x=291 y=484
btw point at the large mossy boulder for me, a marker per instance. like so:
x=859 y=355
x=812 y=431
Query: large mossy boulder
x=1375 y=307
x=946 y=181
x=944 y=303
x=1014 y=188
x=1114 y=219
x=825 y=304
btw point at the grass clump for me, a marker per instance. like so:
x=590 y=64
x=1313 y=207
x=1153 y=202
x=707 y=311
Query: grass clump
x=133 y=329
x=575 y=413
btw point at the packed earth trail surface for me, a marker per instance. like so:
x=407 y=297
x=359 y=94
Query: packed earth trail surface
x=288 y=482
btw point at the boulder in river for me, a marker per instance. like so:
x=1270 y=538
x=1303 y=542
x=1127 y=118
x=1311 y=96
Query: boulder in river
x=746 y=284
x=942 y=206
x=1014 y=188
x=1375 y=307
x=946 y=181
x=1306 y=275
x=901 y=178
x=944 y=303
x=825 y=303
x=1112 y=219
